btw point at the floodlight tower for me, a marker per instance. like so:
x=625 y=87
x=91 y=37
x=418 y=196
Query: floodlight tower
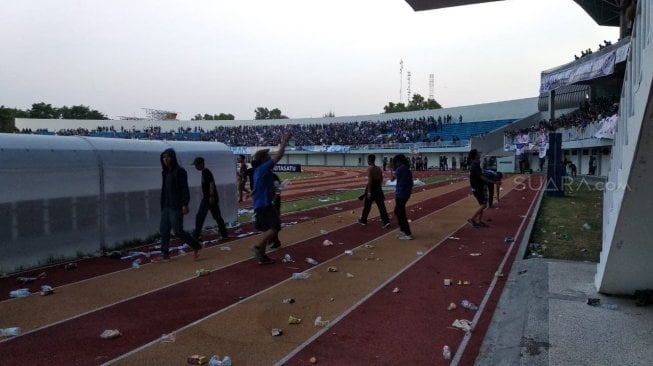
x=401 y=77
x=408 y=88
x=431 y=86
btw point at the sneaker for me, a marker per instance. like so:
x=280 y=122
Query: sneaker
x=386 y=225
x=196 y=254
x=164 y=258
x=360 y=221
x=275 y=245
x=265 y=260
x=405 y=237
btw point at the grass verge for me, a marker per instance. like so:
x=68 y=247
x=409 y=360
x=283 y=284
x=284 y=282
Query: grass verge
x=569 y=227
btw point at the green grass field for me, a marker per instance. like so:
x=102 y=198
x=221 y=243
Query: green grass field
x=561 y=227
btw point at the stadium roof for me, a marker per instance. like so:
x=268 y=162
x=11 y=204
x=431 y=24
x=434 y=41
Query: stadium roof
x=604 y=12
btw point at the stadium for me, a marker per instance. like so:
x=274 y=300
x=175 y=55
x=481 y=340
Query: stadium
x=75 y=194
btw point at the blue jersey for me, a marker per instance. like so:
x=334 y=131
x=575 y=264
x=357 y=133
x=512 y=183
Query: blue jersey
x=264 y=188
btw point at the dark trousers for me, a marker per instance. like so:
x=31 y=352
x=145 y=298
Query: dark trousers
x=378 y=198
x=173 y=219
x=202 y=211
x=400 y=213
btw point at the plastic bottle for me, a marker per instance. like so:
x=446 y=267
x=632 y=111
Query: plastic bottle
x=311 y=261
x=300 y=275
x=22 y=292
x=468 y=305
x=446 y=352
x=10 y=332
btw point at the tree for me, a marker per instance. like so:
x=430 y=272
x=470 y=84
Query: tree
x=416 y=104
x=79 y=112
x=276 y=114
x=198 y=117
x=264 y=113
x=329 y=115
x=8 y=116
x=225 y=117
x=44 y=111
x=261 y=113
x=395 y=108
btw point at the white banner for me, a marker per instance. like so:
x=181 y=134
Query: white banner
x=608 y=127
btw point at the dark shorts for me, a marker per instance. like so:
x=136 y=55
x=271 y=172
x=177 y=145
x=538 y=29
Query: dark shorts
x=480 y=196
x=267 y=218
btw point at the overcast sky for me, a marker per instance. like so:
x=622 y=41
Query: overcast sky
x=304 y=57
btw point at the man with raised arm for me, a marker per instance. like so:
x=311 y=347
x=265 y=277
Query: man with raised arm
x=268 y=220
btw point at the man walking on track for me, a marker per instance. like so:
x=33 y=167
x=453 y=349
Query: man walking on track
x=478 y=181
x=175 y=196
x=374 y=193
x=403 y=189
x=242 y=177
x=210 y=201
x=268 y=220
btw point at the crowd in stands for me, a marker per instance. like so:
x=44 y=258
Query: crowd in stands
x=348 y=133
x=588 y=113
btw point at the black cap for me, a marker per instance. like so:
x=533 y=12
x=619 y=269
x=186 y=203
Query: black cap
x=198 y=160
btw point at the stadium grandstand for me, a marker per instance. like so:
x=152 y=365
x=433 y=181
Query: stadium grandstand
x=599 y=104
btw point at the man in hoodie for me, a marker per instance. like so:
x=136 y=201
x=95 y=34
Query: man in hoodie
x=267 y=216
x=175 y=196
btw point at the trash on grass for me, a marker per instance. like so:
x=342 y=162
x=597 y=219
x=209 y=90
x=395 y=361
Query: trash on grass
x=327 y=243
x=451 y=306
x=332 y=269
x=396 y=290
x=447 y=282
x=350 y=275
x=276 y=332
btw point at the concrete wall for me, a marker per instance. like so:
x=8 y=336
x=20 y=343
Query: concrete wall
x=627 y=251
